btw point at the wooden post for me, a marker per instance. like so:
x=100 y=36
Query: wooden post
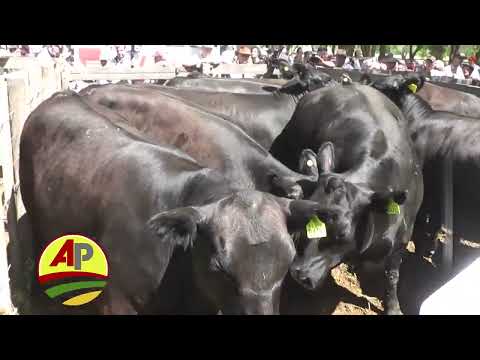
x=65 y=77
x=6 y=191
x=49 y=81
x=17 y=101
x=447 y=213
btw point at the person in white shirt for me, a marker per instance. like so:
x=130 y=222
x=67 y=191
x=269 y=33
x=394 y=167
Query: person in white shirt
x=323 y=58
x=228 y=54
x=298 y=56
x=243 y=55
x=357 y=59
x=35 y=49
x=455 y=69
x=390 y=62
x=373 y=64
x=4 y=51
x=438 y=68
x=475 y=75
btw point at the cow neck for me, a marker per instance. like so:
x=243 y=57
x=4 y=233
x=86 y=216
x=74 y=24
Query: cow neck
x=206 y=187
x=414 y=108
x=293 y=98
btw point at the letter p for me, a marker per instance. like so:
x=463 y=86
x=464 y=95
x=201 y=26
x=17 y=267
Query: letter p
x=78 y=254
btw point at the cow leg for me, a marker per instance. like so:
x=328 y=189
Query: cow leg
x=392 y=274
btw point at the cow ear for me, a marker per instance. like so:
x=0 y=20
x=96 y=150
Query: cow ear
x=178 y=226
x=286 y=187
x=299 y=213
x=326 y=158
x=286 y=70
x=380 y=199
x=308 y=163
x=318 y=81
x=294 y=87
x=413 y=83
x=345 y=79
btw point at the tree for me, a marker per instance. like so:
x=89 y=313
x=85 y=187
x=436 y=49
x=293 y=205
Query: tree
x=454 y=49
x=349 y=48
x=384 y=49
x=437 y=50
x=367 y=50
x=412 y=51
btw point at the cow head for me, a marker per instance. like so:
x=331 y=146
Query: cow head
x=351 y=233
x=307 y=79
x=240 y=245
x=396 y=86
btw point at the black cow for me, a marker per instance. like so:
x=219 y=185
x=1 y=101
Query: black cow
x=436 y=136
x=441 y=98
x=223 y=85
x=262 y=117
x=82 y=174
x=208 y=138
x=366 y=161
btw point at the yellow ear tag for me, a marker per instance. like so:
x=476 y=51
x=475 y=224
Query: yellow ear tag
x=412 y=88
x=316 y=228
x=393 y=208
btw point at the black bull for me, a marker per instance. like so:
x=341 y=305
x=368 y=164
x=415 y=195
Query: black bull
x=437 y=136
x=82 y=174
x=208 y=138
x=366 y=160
x=223 y=85
x=261 y=116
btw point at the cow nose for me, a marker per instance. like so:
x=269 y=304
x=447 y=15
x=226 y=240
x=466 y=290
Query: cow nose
x=303 y=278
x=307 y=282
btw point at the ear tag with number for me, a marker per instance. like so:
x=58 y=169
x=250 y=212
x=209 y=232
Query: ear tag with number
x=393 y=208
x=412 y=88
x=316 y=228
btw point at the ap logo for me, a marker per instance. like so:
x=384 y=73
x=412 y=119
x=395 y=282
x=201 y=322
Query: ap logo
x=73 y=269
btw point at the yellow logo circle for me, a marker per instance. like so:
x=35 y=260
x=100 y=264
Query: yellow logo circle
x=73 y=269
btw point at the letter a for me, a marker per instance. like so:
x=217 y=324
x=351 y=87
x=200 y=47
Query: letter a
x=60 y=257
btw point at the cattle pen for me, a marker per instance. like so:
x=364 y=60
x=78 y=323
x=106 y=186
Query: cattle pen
x=25 y=83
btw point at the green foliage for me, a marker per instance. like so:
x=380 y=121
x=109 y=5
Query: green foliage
x=418 y=51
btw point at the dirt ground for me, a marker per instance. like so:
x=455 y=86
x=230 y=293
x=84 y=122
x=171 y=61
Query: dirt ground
x=419 y=279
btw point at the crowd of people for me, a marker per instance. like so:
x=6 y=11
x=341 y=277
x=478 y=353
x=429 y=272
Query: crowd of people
x=191 y=58
x=460 y=68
